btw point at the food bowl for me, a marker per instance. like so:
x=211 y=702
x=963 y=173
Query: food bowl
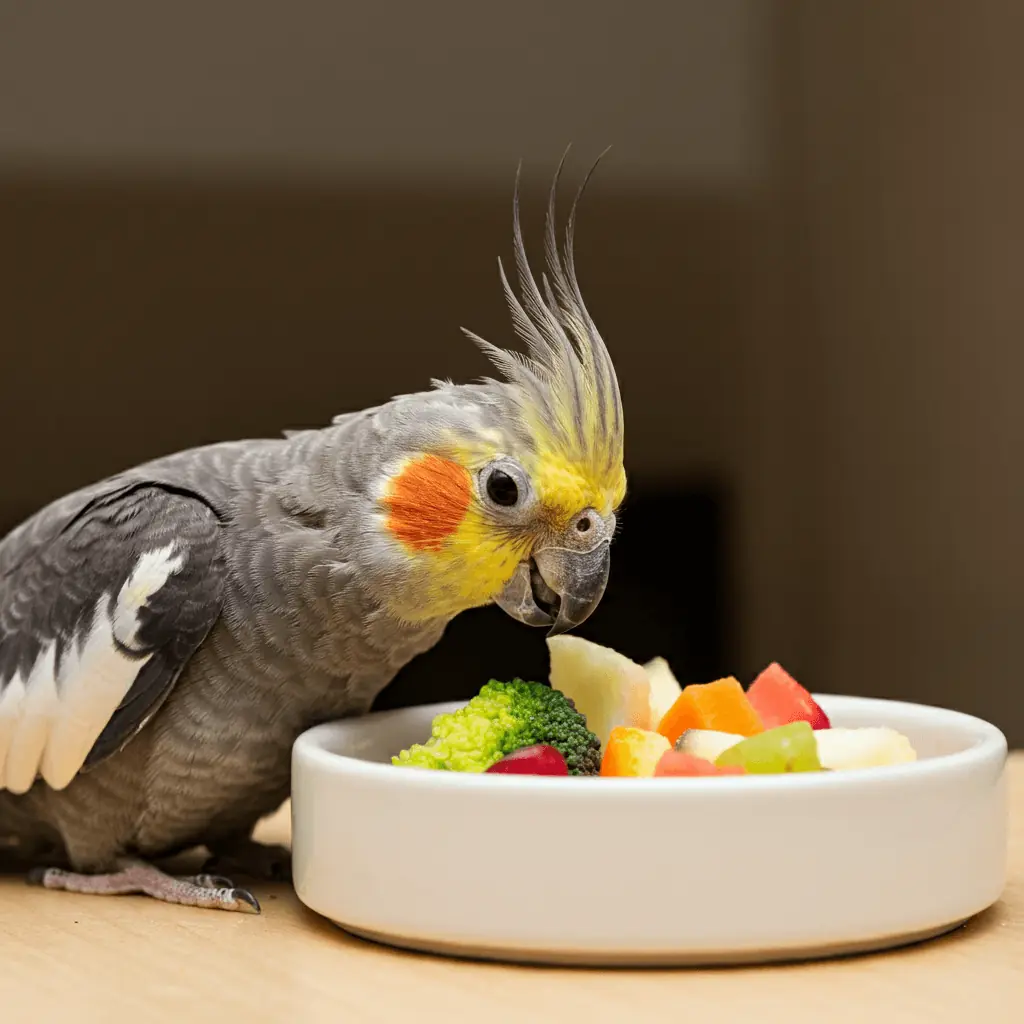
x=601 y=871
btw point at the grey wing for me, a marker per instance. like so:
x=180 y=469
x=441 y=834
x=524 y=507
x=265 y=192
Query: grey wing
x=97 y=623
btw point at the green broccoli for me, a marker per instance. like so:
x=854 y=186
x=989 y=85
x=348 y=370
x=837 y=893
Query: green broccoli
x=501 y=718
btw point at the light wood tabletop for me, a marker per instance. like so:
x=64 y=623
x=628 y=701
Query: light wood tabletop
x=87 y=959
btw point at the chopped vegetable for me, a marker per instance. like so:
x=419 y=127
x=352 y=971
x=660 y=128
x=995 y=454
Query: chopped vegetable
x=721 y=705
x=633 y=752
x=787 y=748
x=540 y=759
x=779 y=699
x=665 y=689
x=650 y=726
x=675 y=763
x=500 y=719
x=607 y=688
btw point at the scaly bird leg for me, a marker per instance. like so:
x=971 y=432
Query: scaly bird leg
x=135 y=876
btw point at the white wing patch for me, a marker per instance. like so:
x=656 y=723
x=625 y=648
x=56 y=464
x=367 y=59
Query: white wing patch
x=11 y=699
x=49 y=724
x=36 y=712
x=151 y=572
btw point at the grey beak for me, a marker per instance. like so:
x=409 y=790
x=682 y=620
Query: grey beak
x=518 y=601
x=579 y=578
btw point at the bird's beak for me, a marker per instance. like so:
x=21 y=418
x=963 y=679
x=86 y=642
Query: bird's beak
x=558 y=587
x=578 y=578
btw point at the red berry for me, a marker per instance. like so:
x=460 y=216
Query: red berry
x=536 y=760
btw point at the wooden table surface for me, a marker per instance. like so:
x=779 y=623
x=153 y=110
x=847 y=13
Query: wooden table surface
x=82 y=959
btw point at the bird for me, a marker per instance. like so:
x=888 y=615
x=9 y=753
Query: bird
x=167 y=633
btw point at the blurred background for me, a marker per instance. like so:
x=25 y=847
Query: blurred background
x=804 y=249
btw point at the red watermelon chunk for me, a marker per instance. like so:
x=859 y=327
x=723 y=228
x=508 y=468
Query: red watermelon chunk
x=779 y=699
x=675 y=763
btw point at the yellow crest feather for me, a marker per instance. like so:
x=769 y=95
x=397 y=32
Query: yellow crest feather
x=565 y=387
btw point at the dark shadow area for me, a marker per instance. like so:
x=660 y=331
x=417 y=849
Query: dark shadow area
x=145 y=316
x=666 y=596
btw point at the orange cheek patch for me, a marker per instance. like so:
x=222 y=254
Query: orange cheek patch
x=427 y=502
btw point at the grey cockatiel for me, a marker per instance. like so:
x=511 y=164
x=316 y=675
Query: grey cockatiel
x=166 y=634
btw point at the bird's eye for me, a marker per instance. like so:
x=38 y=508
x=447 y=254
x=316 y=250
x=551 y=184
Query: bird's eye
x=502 y=489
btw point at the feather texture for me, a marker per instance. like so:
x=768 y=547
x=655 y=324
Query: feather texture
x=565 y=384
x=167 y=633
x=81 y=621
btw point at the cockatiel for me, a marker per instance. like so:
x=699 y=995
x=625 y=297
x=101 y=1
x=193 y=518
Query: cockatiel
x=167 y=633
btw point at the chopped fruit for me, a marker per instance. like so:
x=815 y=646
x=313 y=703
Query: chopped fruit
x=779 y=699
x=604 y=714
x=675 y=763
x=838 y=749
x=863 y=748
x=706 y=743
x=788 y=748
x=721 y=705
x=665 y=689
x=633 y=752
x=540 y=759
x=607 y=688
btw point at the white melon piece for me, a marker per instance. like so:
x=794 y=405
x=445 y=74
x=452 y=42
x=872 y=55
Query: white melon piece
x=665 y=689
x=871 y=747
x=607 y=688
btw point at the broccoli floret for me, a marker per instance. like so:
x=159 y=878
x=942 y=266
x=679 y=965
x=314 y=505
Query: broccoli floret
x=501 y=718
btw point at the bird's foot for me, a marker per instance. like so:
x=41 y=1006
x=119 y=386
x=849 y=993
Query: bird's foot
x=208 y=891
x=251 y=859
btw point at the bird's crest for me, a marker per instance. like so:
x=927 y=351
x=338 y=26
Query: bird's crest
x=565 y=385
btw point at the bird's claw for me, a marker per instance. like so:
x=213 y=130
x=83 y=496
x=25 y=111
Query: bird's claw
x=245 y=899
x=37 y=876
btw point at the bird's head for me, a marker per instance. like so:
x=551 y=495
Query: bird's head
x=509 y=492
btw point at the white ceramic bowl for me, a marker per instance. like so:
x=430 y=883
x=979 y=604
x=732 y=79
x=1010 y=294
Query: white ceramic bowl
x=651 y=871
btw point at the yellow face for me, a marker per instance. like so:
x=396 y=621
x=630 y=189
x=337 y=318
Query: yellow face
x=470 y=516
x=564 y=490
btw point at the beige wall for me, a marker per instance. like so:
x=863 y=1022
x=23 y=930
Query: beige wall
x=913 y=162
x=447 y=89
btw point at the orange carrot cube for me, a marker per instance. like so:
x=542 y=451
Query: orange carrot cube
x=721 y=705
x=633 y=752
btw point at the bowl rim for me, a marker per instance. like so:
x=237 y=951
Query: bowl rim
x=989 y=746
